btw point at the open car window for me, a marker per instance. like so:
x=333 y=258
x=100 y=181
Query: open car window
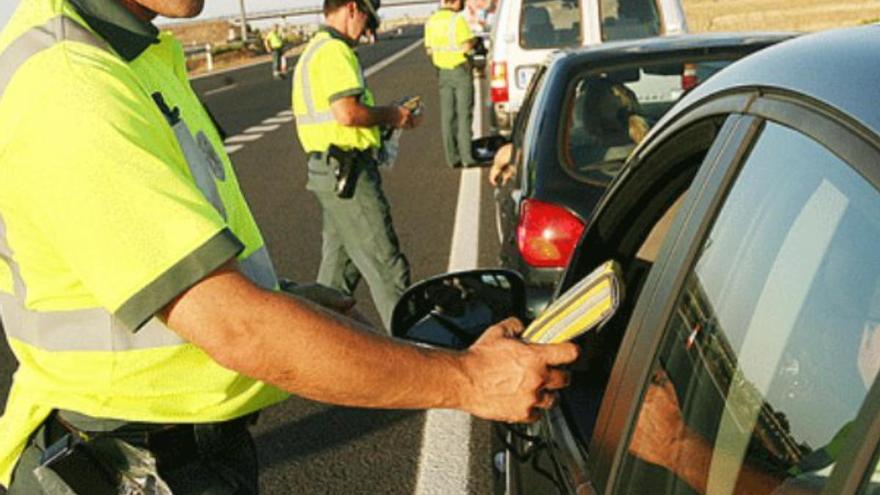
x=607 y=113
x=775 y=338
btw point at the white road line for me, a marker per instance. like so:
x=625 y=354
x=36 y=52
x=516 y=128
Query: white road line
x=277 y=120
x=390 y=60
x=285 y=113
x=233 y=148
x=243 y=138
x=221 y=89
x=444 y=462
x=261 y=128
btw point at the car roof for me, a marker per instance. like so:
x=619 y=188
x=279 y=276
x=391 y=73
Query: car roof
x=626 y=49
x=837 y=68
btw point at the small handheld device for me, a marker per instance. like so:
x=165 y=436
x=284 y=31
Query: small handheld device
x=587 y=305
x=413 y=104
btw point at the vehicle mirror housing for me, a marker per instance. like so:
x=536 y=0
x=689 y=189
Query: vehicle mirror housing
x=484 y=149
x=453 y=310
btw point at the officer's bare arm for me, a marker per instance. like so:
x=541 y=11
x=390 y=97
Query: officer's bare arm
x=350 y=112
x=313 y=353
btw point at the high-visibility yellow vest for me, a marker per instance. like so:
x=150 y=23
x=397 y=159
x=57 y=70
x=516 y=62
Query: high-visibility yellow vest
x=445 y=35
x=117 y=195
x=274 y=39
x=327 y=70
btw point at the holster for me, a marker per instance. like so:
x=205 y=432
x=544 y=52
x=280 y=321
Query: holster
x=344 y=165
x=71 y=466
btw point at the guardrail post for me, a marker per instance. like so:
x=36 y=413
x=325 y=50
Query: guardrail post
x=209 y=56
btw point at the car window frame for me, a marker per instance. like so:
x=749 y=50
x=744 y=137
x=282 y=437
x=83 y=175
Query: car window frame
x=569 y=449
x=847 y=139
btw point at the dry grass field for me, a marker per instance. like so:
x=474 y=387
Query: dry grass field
x=795 y=15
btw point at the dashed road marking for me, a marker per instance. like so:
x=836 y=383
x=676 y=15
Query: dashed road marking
x=230 y=149
x=278 y=120
x=261 y=128
x=243 y=138
x=220 y=89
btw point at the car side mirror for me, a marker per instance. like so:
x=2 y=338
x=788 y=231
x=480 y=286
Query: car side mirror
x=453 y=310
x=484 y=149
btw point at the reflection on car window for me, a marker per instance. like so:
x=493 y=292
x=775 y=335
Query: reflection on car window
x=608 y=114
x=629 y=19
x=550 y=23
x=776 y=336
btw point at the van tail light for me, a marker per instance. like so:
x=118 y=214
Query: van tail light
x=689 y=77
x=498 y=90
x=547 y=234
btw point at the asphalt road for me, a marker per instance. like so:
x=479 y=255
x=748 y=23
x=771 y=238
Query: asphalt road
x=307 y=447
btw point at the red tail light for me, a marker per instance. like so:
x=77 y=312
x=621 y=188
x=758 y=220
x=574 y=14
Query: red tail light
x=498 y=82
x=547 y=234
x=689 y=77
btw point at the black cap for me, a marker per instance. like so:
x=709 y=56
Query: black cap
x=372 y=9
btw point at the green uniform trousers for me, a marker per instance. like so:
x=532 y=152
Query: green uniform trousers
x=457 y=114
x=226 y=463
x=359 y=238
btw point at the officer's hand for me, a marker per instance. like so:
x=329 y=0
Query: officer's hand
x=404 y=119
x=510 y=379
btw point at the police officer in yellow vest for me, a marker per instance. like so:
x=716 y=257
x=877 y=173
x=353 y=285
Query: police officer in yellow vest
x=274 y=44
x=448 y=39
x=136 y=291
x=339 y=129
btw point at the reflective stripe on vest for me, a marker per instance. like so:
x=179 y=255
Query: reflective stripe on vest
x=94 y=329
x=39 y=38
x=453 y=46
x=312 y=116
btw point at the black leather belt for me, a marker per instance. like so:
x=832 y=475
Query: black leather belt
x=171 y=444
x=370 y=153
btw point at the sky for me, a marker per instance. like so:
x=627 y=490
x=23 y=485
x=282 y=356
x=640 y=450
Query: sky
x=217 y=8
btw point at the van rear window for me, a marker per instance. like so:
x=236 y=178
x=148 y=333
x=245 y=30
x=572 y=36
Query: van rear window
x=550 y=23
x=629 y=19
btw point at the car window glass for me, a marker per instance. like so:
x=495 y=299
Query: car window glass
x=550 y=23
x=651 y=247
x=775 y=338
x=629 y=19
x=607 y=114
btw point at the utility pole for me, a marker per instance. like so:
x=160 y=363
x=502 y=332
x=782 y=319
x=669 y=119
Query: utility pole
x=243 y=23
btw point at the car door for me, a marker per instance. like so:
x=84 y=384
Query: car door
x=749 y=242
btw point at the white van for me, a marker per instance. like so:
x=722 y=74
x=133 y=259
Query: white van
x=526 y=31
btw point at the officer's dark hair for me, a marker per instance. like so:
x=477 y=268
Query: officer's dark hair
x=333 y=5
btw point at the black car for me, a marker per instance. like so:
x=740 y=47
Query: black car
x=743 y=355
x=584 y=113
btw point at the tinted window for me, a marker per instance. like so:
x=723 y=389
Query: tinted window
x=629 y=19
x=550 y=23
x=775 y=338
x=607 y=114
